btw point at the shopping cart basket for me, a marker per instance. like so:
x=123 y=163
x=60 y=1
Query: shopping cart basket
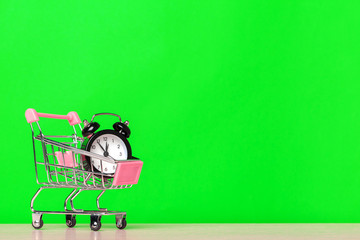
x=59 y=164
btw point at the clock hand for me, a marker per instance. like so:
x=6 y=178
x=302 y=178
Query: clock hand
x=106 y=154
x=101 y=147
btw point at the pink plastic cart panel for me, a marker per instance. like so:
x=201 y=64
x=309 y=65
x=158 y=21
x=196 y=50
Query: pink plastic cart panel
x=127 y=172
x=69 y=160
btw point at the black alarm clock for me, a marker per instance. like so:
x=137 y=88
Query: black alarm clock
x=110 y=143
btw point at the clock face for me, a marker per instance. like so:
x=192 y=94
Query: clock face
x=110 y=144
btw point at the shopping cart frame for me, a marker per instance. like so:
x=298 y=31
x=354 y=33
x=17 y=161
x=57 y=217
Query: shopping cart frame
x=73 y=176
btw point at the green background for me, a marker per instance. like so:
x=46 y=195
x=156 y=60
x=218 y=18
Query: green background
x=242 y=111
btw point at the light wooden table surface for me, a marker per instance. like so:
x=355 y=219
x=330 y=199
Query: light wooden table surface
x=184 y=231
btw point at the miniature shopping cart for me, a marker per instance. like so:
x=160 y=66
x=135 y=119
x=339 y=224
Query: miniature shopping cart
x=59 y=164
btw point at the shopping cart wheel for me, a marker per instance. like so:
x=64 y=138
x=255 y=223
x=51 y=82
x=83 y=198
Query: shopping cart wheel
x=121 y=224
x=37 y=221
x=38 y=224
x=70 y=220
x=95 y=223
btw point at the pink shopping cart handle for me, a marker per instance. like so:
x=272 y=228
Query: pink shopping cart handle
x=33 y=116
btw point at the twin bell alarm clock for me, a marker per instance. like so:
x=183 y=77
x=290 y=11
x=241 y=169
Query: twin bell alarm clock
x=111 y=143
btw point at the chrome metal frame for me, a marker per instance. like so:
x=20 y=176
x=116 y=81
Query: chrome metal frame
x=50 y=174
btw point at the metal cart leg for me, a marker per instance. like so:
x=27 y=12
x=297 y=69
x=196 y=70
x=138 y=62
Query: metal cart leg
x=35 y=196
x=33 y=199
x=72 y=199
x=68 y=197
x=97 y=201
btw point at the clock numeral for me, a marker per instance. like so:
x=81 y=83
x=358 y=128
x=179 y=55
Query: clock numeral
x=93 y=146
x=118 y=146
x=98 y=140
x=120 y=153
x=105 y=138
x=112 y=140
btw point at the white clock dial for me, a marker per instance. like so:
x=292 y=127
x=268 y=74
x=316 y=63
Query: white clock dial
x=108 y=145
